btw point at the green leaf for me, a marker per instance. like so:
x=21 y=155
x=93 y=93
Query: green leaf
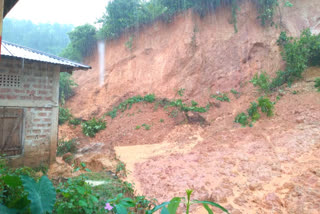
x=173 y=205
x=207 y=208
x=42 y=194
x=82 y=203
x=121 y=209
x=164 y=211
x=156 y=208
x=6 y=210
x=19 y=203
x=12 y=181
x=212 y=204
x=81 y=190
x=94 y=199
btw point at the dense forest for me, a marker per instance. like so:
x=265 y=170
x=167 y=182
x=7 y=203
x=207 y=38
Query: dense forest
x=49 y=38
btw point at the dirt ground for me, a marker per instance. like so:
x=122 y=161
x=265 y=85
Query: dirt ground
x=272 y=167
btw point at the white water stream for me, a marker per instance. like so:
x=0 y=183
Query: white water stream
x=101 y=51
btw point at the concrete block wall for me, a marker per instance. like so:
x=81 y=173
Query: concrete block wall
x=37 y=94
x=36 y=81
x=37 y=135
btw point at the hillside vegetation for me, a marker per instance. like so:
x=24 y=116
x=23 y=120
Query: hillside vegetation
x=124 y=15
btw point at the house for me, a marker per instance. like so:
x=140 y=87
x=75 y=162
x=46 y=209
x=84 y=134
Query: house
x=29 y=103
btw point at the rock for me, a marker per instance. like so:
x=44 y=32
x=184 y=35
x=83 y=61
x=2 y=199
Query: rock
x=91 y=148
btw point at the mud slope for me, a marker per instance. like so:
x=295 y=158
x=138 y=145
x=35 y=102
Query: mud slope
x=273 y=167
x=164 y=58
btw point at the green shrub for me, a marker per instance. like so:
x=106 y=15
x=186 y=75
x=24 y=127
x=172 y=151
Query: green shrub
x=93 y=126
x=146 y=126
x=253 y=112
x=317 y=84
x=266 y=106
x=261 y=81
x=299 y=53
x=281 y=78
x=283 y=39
x=64 y=115
x=150 y=98
x=138 y=127
x=66 y=86
x=183 y=107
x=75 y=121
x=221 y=97
x=234 y=92
x=242 y=118
x=76 y=196
x=66 y=146
x=181 y=92
x=193 y=103
x=127 y=104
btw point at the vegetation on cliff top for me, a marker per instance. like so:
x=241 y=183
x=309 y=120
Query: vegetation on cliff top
x=123 y=15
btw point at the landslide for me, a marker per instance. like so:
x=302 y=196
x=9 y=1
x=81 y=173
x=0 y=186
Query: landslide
x=272 y=167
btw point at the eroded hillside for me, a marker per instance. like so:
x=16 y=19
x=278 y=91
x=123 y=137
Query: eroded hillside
x=272 y=167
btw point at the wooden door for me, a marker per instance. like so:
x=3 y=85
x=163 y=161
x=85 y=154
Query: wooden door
x=11 y=124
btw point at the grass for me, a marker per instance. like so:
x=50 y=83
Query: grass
x=221 y=97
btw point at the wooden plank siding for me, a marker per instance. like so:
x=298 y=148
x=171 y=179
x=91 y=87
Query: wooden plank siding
x=11 y=126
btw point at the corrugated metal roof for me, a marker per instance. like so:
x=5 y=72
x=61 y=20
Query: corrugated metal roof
x=17 y=51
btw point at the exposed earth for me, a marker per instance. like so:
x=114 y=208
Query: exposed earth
x=272 y=167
